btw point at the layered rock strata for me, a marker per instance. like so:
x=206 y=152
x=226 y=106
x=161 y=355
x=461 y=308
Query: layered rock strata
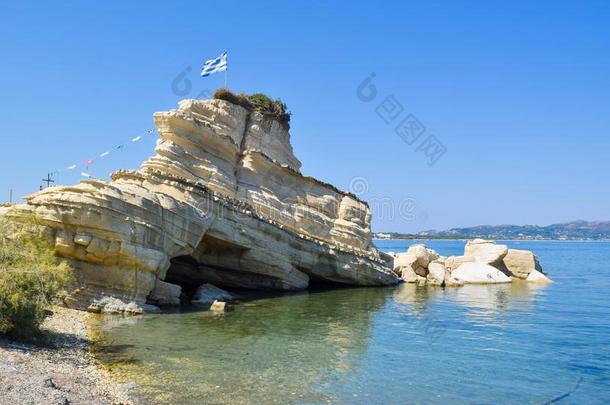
x=221 y=201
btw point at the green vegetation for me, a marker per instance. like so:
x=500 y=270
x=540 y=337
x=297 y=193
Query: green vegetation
x=262 y=103
x=31 y=277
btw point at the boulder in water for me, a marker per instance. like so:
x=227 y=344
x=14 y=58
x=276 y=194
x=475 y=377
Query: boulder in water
x=485 y=251
x=479 y=273
x=207 y=294
x=521 y=263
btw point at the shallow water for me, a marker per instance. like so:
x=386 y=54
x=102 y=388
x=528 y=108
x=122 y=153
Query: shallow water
x=510 y=343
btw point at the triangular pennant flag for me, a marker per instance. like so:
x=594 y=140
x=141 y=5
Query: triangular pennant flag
x=136 y=139
x=71 y=167
x=104 y=154
x=85 y=174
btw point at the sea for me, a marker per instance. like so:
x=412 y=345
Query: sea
x=478 y=344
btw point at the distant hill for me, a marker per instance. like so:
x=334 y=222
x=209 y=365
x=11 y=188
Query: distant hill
x=576 y=230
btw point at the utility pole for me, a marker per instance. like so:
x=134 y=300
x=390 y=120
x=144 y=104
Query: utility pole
x=48 y=180
x=10 y=198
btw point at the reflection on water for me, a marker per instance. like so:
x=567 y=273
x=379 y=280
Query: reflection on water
x=483 y=300
x=275 y=349
x=475 y=344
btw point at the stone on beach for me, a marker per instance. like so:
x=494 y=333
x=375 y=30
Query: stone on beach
x=111 y=305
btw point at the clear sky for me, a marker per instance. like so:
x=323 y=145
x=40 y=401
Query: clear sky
x=517 y=92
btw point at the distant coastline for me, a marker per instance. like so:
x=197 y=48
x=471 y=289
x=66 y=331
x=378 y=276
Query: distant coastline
x=586 y=231
x=502 y=239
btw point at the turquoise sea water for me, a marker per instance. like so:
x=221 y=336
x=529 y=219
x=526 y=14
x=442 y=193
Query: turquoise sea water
x=514 y=343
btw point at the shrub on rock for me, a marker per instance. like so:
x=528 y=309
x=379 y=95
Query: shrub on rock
x=260 y=102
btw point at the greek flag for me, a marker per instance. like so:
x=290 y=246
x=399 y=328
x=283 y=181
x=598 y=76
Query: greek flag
x=218 y=64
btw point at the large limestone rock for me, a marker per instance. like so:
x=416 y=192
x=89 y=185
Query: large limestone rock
x=453 y=262
x=479 y=273
x=414 y=260
x=485 y=251
x=221 y=201
x=521 y=263
x=436 y=273
x=408 y=275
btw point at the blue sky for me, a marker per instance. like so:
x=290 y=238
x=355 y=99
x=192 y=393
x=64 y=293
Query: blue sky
x=517 y=92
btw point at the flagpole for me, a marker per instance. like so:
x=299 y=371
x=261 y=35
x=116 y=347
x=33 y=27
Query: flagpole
x=226 y=67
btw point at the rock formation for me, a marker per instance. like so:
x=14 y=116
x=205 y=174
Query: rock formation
x=207 y=294
x=221 y=201
x=483 y=262
x=479 y=273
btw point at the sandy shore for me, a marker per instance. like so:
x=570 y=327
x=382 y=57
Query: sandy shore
x=62 y=372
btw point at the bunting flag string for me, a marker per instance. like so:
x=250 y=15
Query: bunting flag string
x=88 y=162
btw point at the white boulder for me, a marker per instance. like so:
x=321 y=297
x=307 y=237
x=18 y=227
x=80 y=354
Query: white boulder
x=408 y=275
x=479 y=273
x=417 y=258
x=453 y=262
x=436 y=273
x=451 y=281
x=536 y=276
x=485 y=251
x=421 y=254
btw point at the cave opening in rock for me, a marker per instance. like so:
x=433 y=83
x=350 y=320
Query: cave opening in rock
x=184 y=271
x=213 y=261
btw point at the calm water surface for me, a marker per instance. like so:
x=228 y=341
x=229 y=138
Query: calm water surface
x=514 y=343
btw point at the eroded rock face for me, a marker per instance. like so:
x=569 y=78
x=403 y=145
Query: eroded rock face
x=223 y=201
x=165 y=294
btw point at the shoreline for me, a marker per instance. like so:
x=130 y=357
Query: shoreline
x=62 y=371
